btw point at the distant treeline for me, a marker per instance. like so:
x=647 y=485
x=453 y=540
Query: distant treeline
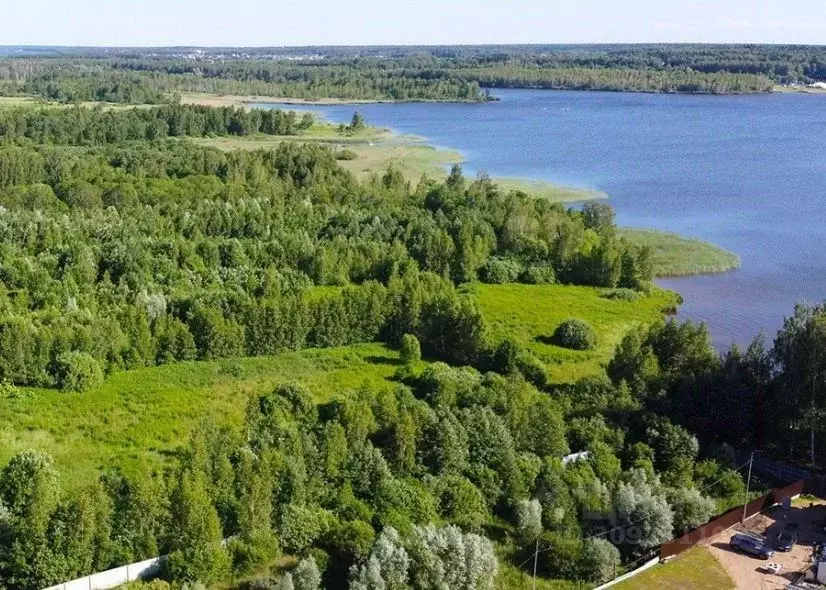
x=618 y=79
x=437 y=73
x=146 y=81
x=85 y=126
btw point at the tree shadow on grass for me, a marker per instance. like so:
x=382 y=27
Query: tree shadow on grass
x=545 y=339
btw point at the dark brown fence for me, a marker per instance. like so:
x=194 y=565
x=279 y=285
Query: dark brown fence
x=732 y=517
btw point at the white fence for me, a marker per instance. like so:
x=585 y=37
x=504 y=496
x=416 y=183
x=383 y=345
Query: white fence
x=142 y=570
x=648 y=564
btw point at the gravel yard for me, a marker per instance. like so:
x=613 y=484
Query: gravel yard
x=748 y=571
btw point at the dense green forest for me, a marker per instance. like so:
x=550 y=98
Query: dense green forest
x=133 y=253
x=123 y=245
x=81 y=126
x=399 y=73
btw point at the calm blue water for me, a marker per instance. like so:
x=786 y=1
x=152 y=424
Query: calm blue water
x=745 y=172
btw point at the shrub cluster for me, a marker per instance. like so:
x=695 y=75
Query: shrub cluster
x=575 y=334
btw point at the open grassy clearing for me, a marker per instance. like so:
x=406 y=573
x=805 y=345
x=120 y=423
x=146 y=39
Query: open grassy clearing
x=531 y=313
x=319 y=133
x=248 y=101
x=413 y=160
x=696 y=569
x=19 y=101
x=675 y=255
x=512 y=578
x=139 y=417
x=39 y=102
x=549 y=191
x=377 y=149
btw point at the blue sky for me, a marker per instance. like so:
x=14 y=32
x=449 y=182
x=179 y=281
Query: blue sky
x=354 y=22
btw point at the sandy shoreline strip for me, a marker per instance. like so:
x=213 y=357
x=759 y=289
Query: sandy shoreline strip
x=247 y=101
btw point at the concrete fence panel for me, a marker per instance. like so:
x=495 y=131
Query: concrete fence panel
x=142 y=570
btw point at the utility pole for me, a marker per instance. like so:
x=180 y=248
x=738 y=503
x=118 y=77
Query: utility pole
x=814 y=392
x=535 y=559
x=748 y=483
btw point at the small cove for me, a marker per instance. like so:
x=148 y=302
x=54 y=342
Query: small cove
x=745 y=172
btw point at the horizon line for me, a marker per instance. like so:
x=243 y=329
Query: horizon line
x=423 y=45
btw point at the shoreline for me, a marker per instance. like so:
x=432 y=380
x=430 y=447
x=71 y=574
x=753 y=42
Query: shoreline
x=676 y=255
x=378 y=148
x=249 y=101
x=778 y=89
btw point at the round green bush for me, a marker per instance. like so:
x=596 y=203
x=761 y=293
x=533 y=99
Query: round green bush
x=539 y=274
x=78 y=371
x=575 y=334
x=500 y=270
x=346 y=154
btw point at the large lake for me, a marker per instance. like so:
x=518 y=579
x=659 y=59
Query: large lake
x=745 y=172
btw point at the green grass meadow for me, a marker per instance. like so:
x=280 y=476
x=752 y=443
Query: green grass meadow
x=546 y=190
x=696 y=569
x=137 y=418
x=531 y=313
x=675 y=255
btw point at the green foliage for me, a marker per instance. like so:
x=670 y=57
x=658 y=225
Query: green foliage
x=452 y=328
x=357 y=122
x=724 y=484
x=437 y=73
x=675 y=450
x=410 y=351
x=501 y=270
x=85 y=126
x=561 y=556
x=598 y=216
x=539 y=274
x=691 y=508
x=447 y=558
x=300 y=526
x=29 y=490
x=528 y=520
x=306 y=575
x=387 y=566
x=78 y=371
x=622 y=294
x=643 y=513
x=232 y=253
x=634 y=362
x=256 y=545
x=575 y=334
x=346 y=154
x=197 y=553
x=347 y=543
x=120 y=255
x=460 y=502
x=600 y=561
x=507 y=317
